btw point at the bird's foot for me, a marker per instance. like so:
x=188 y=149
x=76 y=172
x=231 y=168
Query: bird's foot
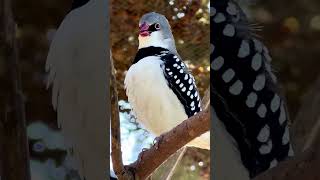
x=157 y=140
x=141 y=154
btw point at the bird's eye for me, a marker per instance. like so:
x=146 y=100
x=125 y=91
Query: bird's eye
x=157 y=26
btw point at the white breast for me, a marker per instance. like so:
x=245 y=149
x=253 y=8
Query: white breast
x=154 y=103
x=156 y=106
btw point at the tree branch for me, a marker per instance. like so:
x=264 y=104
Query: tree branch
x=169 y=143
x=169 y=166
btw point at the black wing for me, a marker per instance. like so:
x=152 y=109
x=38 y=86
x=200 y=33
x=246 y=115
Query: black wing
x=243 y=90
x=182 y=83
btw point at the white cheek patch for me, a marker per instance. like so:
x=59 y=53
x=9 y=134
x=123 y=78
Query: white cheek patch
x=155 y=39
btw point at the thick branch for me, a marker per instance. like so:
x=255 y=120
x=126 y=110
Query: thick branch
x=169 y=143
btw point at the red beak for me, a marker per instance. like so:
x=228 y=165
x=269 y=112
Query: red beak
x=144 y=30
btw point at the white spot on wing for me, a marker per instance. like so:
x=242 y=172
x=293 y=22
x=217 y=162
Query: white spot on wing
x=217 y=63
x=192 y=104
x=262 y=111
x=211 y=48
x=260 y=82
x=229 y=30
x=228 y=75
x=282 y=116
x=251 y=100
x=236 y=88
x=266 y=148
x=285 y=137
x=244 y=49
x=219 y=18
x=273 y=163
x=275 y=103
x=256 y=62
x=257 y=45
x=212 y=11
x=264 y=134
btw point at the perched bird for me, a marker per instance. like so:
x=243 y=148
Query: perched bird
x=77 y=66
x=160 y=89
x=250 y=118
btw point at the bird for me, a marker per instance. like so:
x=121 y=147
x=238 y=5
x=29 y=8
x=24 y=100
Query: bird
x=160 y=89
x=77 y=72
x=249 y=115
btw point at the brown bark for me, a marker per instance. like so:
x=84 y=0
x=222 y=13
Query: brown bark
x=168 y=143
x=14 y=154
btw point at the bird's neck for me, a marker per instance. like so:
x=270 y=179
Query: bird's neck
x=149 y=51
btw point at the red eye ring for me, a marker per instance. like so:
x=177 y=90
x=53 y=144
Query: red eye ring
x=157 y=26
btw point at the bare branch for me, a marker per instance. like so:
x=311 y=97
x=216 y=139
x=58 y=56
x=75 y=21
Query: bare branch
x=169 y=143
x=170 y=165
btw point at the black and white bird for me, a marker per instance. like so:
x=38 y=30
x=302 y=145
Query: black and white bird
x=78 y=72
x=250 y=119
x=160 y=89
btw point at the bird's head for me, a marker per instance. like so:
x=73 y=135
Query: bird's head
x=155 y=30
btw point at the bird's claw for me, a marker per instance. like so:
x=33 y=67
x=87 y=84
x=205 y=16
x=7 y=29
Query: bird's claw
x=157 y=140
x=141 y=154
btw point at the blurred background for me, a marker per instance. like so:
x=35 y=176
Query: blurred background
x=291 y=31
